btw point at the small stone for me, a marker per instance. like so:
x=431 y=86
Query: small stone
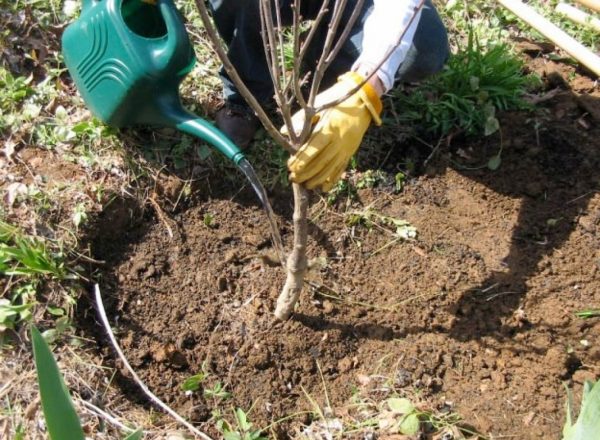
x=528 y=418
x=176 y=436
x=499 y=380
x=150 y=272
x=328 y=307
x=344 y=365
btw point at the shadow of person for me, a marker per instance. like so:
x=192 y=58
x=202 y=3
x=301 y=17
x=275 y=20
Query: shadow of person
x=554 y=171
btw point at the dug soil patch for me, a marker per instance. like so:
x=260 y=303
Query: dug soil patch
x=476 y=314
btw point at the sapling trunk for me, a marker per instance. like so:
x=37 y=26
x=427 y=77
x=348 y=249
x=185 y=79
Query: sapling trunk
x=288 y=85
x=297 y=261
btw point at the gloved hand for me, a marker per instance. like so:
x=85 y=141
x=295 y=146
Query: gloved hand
x=337 y=134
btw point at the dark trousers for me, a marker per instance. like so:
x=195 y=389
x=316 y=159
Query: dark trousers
x=238 y=22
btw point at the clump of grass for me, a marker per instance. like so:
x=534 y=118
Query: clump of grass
x=23 y=255
x=477 y=81
x=27 y=261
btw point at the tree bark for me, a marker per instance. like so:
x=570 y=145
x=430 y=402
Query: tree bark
x=297 y=261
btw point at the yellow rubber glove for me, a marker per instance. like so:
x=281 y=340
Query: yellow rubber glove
x=337 y=134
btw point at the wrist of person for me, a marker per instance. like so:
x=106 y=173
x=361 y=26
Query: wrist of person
x=374 y=80
x=369 y=96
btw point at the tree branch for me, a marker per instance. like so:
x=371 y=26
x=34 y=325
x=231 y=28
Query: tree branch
x=231 y=71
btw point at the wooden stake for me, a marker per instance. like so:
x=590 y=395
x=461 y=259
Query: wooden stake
x=578 y=16
x=559 y=37
x=592 y=4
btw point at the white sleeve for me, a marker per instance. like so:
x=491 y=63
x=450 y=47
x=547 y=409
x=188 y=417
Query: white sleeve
x=382 y=31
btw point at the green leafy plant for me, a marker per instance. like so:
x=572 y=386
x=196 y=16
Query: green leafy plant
x=61 y=418
x=208 y=220
x=193 y=383
x=27 y=256
x=344 y=188
x=477 y=82
x=11 y=313
x=13 y=89
x=241 y=430
x=60 y=414
x=218 y=391
x=401 y=417
x=587 y=425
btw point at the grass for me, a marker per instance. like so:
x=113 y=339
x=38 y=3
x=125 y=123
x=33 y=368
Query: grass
x=28 y=263
x=24 y=255
x=379 y=408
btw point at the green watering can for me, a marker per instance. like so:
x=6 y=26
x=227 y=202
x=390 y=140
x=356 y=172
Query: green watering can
x=127 y=58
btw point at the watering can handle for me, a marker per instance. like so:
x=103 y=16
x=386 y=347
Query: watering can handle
x=177 y=38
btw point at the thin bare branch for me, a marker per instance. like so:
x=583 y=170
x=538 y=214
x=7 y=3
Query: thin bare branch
x=280 y=35
x=296 y=82
x=338 y=12
x=273 y=43
x=383 y=60
x=231 y=71
x=344 y=36
x=313 y=30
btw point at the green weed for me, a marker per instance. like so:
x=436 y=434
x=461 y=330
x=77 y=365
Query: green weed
x=14 y=90
x=218 y=391
x=590 y=313
x=241 y=429
x=477 y=82
x=368 y=218
x=29 y=261
x=22 y=255
x=194 y=382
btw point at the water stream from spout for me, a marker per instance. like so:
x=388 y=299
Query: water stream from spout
x=250 y=174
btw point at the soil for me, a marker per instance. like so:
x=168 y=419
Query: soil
x=476 y=313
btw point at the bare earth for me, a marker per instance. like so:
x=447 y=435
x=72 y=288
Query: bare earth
x=477 y=313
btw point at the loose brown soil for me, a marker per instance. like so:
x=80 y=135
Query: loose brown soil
x=476 y=313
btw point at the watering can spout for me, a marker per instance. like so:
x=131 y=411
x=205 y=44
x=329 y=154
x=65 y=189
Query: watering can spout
x=177 y=46
x=195 y=126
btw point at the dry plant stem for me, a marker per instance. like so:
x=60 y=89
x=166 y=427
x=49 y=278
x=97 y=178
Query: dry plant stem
x=322 y=64
x=297 y=262
x=273 y=45
x=134 y=375
x=344 y=36
x=230 y=69
x=100 y=413
x=296 y=82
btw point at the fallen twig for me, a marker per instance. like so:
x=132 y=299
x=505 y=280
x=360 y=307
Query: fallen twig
x=134 y=375
x=106 y=416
